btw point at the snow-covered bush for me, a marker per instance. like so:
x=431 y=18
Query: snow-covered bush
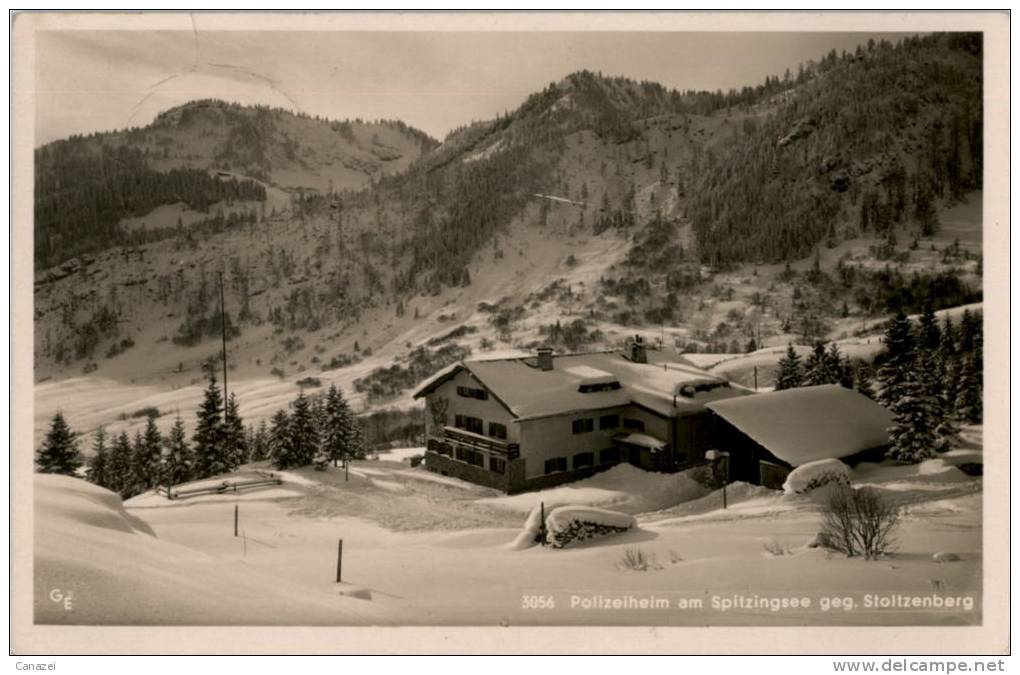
x=567 y=524
x=813 y=475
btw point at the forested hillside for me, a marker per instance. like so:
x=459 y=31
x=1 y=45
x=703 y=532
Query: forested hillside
x=81 y=196
x=599 y=207
x=200 y=154
x=863 y=142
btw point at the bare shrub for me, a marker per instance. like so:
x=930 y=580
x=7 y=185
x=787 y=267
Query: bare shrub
x=859 y=522
x=875 y=519
x=636 y=560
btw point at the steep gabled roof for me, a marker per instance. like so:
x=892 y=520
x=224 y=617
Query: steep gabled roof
x=809 y=423
x=529 y=392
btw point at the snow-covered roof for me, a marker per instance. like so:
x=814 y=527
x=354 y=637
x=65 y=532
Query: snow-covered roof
x=589 y=375
x=809 y=423
x=530 y=392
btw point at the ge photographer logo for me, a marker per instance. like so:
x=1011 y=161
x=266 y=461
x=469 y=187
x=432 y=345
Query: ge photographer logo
x=65 y=598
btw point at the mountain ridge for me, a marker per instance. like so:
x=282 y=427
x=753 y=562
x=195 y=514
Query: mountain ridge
x=594 y=209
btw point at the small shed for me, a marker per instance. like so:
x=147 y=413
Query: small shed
x=771 y=433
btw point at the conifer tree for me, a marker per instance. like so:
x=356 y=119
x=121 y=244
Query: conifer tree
x=338 y=433
x=898 y=360
x=152 y=459
x=304 y=436
x=120 y=464
x=236 y=445
x=59 y=452
x=139 y=470
x=208 y=441
x=816 y=367
x=913 y=431
x=789 y=373
x=862 y=375
x=98 y=466
x=177 y=466
x=258 y=446
x=969 y=404
x=838 y=369
x=929 y=337
x=279 y=440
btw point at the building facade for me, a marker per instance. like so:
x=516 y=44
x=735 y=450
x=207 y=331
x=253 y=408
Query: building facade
x=528 y=423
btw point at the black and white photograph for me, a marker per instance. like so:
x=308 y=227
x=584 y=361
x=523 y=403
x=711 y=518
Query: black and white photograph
x=507 y=321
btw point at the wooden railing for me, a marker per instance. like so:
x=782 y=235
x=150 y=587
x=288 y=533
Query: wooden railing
x=491 y=445
x=265 y=479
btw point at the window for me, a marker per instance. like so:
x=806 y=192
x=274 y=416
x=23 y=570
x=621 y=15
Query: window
x=497 y=465
x=632 y=424
x=470 y=456
x=497 y=430
x=609 y=456
x=584 y=425
x=609 y=422
x=583 y=459
x=470 y=392
x=468 y=423
x=555 y=464
x=602 y=386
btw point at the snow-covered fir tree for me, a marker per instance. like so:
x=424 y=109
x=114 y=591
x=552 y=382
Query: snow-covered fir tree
x=178 y=460
x=304 y=436
x=208 y=442
x=279 y=440
x=59 y=451
x=151 y=460
x=120 y=464
x=236 y=445
x=898 y=360
x=258 y=442
x=969 y=404
x=789 y=372
x=98 y=465
x=914 y=420
x=338 y=433
x=817 y=366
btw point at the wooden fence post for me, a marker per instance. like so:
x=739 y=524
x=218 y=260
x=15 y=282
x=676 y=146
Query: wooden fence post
x=339 y=559
x=541 y=529
x=236 y=507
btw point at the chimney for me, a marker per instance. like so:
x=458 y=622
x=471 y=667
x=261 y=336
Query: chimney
x=545 y=358
x=638 y=352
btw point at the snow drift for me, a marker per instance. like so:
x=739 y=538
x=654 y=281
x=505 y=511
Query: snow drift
x=116 y=571
x=807 y=477
x=530 y=534
x=623 y=488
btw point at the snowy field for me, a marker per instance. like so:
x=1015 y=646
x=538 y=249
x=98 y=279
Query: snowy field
x=426 y=549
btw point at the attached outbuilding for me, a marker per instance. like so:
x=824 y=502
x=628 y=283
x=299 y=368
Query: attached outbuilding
x=769 y=434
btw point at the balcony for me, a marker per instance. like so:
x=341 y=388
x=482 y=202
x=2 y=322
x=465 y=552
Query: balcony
x=474 y=441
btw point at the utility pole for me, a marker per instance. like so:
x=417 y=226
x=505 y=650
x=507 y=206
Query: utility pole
x=223 y=332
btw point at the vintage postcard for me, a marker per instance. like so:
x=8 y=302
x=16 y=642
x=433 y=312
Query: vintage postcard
x=511 y=333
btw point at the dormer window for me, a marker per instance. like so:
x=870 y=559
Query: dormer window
x=471 y=392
